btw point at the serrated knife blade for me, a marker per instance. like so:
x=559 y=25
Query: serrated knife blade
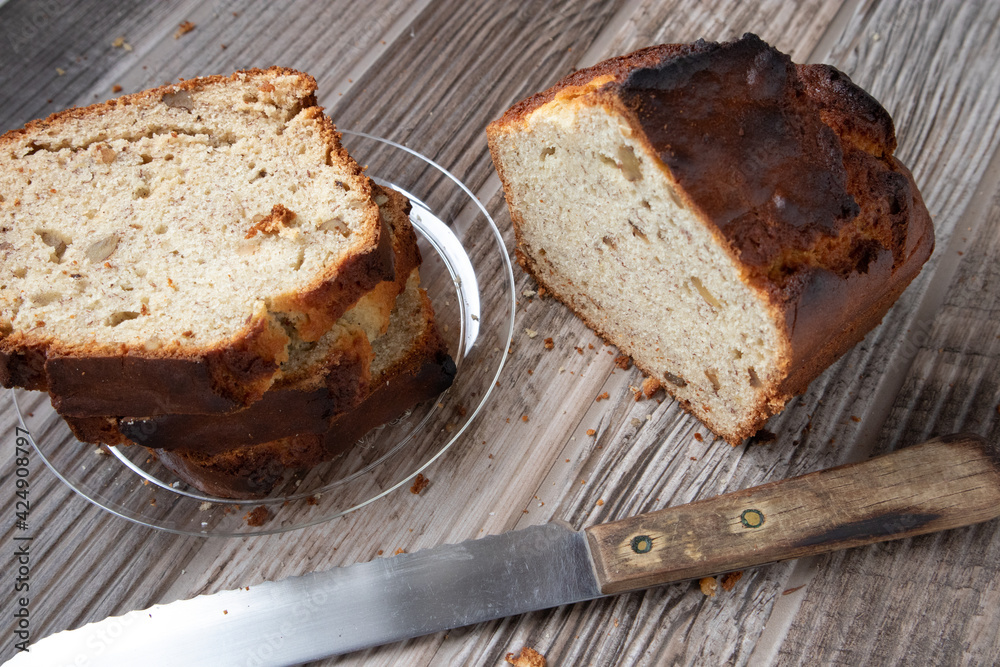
x=944 y=483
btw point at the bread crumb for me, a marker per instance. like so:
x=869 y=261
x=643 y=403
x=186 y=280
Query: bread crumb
x=184 y=28
x=312 y=500
x=419 y=484
x=398 y=551
x=257 y=516
x=528 y=657
x=698 y=437
x=855 y=419
x=116 y=88
x=579 y=350
x=591 y=432
x=650 y=386
x=529 y=293
x=602 y=397
x=549 y=344
x=708 y=586
x=542 y=291
x=379 y=552
x=524 y=418
x=531 y=333
x=729 y=580
x=60 y=71
x=600 y=501
x=205 y=506
x=623 y=361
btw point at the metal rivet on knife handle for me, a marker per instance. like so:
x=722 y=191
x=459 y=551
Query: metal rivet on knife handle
x=943 y=483
x=642 y=544
x=752 y=518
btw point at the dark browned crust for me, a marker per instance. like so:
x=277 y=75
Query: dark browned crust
x=829 y=281
x=136 y=382
x=254 y=472
x=343 y=383
x=157 y=382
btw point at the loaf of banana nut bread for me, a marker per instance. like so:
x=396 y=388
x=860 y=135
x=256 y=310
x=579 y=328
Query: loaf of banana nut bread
x=731 y=220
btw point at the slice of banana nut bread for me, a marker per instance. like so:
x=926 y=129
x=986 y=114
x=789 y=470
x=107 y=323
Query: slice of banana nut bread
x=732 y=221
x=163 y=245
x=318 y=382
x=411 y=365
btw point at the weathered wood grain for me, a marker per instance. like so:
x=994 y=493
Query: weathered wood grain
x=446 y=69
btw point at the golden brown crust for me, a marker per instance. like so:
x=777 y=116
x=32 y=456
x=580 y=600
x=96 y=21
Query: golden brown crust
x=851 y=230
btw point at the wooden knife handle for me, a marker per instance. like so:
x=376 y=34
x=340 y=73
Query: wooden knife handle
x=944 y=483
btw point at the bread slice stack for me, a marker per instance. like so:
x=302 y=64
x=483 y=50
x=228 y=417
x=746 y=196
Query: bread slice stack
x=731 y=220
x=201 y=255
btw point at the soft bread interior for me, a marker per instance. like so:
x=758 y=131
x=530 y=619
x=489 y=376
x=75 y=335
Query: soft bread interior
x=604 y=228
x=172 y=219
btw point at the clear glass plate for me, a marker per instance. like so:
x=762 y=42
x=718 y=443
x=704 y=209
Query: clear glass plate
x=467 y=273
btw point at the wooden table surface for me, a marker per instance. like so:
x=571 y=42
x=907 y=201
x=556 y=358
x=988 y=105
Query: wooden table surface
x=431 y=75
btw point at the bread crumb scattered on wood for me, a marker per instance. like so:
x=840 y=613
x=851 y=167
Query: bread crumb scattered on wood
x=184 y=28
x=708 y=586
x=419 y=484
x=257 y=516
x=549 y=344
x=623 y=361
x=650 y=386
x=602 y=397
x=591 y=432
x=729 y=580
x=528 y=657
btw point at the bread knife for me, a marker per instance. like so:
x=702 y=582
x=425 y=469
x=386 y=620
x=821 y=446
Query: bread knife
x=944 y=483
